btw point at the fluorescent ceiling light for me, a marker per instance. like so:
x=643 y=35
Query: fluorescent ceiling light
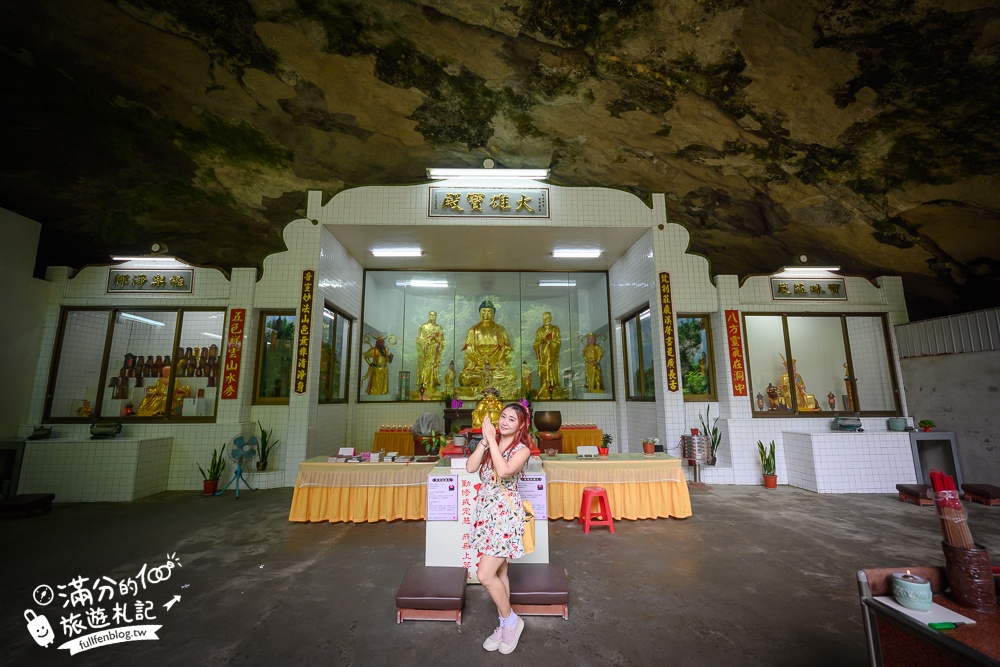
x=557 y=283
x=328 y=315
x=211 y=335
x=587 y=253
x=397 y=252
x=142 y=320
x=806 y=270
x=149 y=260
x=422 y=282
x=441 y=173
x=644 y=315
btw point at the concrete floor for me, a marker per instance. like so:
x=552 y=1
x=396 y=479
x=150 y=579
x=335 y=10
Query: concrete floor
x=754 y=577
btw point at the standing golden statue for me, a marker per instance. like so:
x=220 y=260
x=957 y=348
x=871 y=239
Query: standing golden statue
x=806 y=402
x=592 y=355
x=430 y=344
x=548 y=342
x=487 y=350
x=378 y=357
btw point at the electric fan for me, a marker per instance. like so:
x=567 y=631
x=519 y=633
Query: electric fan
x=241 y=449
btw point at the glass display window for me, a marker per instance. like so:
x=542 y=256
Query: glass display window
x=805 y=365
x=335 y=349
x=132 y=364
x=275 y=357
x=76 y=373
x=448 y=335
x=640 y=379
x=697 y=362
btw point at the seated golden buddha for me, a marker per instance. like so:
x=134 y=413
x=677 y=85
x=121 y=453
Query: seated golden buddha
x=804 y=400
x=487 y=352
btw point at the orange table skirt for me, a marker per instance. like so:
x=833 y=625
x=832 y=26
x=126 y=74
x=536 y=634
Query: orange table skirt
x=359 y=504
x=576 y=437
x=640 y=500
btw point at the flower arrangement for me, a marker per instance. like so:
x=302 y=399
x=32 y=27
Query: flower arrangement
x=456 y=404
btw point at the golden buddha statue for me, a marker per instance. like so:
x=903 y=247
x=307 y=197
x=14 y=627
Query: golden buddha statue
x=592 y=355
x=487 y=349
x=490 y=405
x=154 y=403
x=378 y=357
x=430 y=344
x=548 y=342
x=805 y=401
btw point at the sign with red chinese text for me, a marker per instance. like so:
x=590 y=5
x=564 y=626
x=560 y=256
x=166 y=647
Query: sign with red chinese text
x=305 y=325
x=734 y=340
x=489 y=203
x=673 y=382
x=234 y=353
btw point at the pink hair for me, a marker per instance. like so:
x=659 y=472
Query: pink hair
x=521 y=435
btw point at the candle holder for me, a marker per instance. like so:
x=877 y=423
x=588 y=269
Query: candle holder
x=911 y=591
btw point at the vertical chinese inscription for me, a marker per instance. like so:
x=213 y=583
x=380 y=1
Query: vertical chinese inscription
x=305 y=325
x=734 y=340
x=234 y=353
x=673 y=383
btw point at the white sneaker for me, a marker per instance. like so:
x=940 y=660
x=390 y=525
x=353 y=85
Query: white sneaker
x=508 y=641
x=492 y=642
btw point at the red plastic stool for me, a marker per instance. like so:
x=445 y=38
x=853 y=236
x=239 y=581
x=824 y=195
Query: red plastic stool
x=587 y=514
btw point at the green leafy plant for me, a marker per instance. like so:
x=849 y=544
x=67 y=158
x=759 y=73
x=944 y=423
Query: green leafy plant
x=435 y=441
x=766 y=458
x=713 y=431
x=607 y=439
x=216 y=467
x=926 y=423
x=266 y=444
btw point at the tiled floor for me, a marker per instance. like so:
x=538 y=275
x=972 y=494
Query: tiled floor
x=754 y=577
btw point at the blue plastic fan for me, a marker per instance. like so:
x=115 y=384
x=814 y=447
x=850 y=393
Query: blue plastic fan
x=243 y=449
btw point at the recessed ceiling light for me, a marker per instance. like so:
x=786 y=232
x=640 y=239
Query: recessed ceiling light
x=397 y=252
x=557 y=283
x=437 y=173
x=587 y=253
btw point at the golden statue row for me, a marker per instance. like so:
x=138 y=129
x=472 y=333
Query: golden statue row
x=487 y=355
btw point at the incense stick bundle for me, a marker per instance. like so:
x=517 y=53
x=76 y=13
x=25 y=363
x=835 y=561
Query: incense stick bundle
x=953 y=518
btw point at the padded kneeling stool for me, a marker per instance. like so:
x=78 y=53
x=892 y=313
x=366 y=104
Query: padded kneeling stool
x=987 y=494
x=431 y=593
x=27 y=504
x=914 y=493
x=538 y=589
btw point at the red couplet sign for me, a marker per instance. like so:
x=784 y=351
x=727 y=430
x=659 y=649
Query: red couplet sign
x=234 y=353
x=734 y=339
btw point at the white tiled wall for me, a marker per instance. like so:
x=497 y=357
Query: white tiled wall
x=834 y=462
x=107 y=470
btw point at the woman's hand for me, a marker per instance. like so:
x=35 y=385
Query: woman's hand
x=489 y=430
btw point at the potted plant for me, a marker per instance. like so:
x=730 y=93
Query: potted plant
x=767 y=464
x=605 y=445
x=266 y=445
x=649 y=445
x=713 y=431
x=434 y=442
x=215 y=468
x=926 y=424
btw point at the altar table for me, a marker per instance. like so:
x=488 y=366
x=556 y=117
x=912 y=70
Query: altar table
x=359 y=492
x=639 y=486
x=578 y=437
x=393 y=441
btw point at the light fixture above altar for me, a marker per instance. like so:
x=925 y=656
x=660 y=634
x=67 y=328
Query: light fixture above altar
x=397 y=252
x=579 y=253
x=441 y=173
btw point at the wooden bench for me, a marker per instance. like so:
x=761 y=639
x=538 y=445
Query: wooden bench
x=431 y=593
x=538 y=589
x=914 y=493
x=987 y=494
x=27 y=504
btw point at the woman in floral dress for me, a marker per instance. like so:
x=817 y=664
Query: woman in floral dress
x=498 y=520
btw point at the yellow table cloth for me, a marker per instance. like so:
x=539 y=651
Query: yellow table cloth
x=575 y=437
x=393 y=441
x=359 y=492
x=639 y=486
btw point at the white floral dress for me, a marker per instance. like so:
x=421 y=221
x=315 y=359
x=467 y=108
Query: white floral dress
x=498 y=523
